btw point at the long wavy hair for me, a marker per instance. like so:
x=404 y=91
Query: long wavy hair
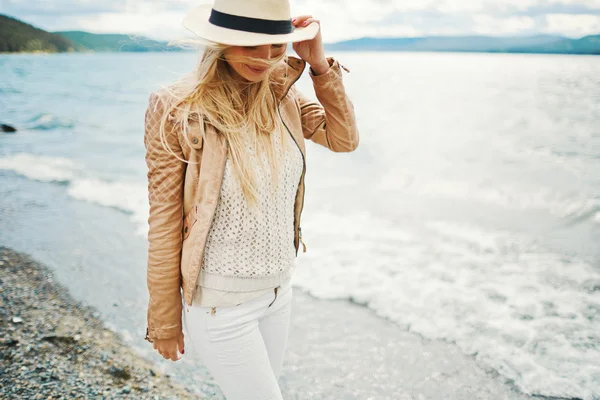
x=244 y=112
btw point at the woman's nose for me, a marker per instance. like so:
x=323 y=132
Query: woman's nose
x=266 y=51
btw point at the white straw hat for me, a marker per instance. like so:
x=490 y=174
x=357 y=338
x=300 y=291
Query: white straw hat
x=247 y=23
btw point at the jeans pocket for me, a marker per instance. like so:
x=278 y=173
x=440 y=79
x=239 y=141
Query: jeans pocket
x=282 y=297
x=227 y=323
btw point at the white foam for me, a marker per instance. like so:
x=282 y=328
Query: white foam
x=127 y=196
x=40 y=168
x=517 y=307
x=48 y=122
x=130 y=197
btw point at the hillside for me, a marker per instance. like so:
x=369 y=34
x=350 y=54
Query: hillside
x=586 y=45
x=525 y=44
x=17 y=36
x=85 y=41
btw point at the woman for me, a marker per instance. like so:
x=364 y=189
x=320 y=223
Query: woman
x=226 y=163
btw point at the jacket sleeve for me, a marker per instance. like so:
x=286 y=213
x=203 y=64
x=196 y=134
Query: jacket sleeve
x=330 y=121
x=165 y=196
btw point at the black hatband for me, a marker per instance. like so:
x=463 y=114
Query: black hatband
x=247 y=24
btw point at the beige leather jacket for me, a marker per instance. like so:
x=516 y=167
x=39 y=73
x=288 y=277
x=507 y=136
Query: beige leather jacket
x=183 y=197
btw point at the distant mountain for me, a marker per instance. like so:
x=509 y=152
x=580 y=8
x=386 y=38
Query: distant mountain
x=85 y=41
x=17 y=36
x=526 y=44
x=586 y=45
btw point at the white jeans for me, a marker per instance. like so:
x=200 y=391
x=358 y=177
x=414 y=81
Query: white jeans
x=242 y=346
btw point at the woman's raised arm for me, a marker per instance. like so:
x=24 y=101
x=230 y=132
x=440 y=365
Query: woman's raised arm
x=330 y=121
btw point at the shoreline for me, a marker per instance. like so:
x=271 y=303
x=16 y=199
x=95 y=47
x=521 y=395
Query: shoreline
x=335 y=349
x=56 y=347
x=53 y=346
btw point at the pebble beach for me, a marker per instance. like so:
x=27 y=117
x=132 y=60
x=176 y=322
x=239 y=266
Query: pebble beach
x=53 y=347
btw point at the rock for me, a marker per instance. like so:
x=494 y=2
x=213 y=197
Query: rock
x=17 y=320
x=126 y=389
x=7 y=128
x=66 y=340
x=121 y=373
x=9 y=342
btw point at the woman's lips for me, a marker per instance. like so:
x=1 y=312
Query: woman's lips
x=257 y=70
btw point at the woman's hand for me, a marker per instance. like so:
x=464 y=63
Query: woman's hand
x=311 y=51
x=168 y=347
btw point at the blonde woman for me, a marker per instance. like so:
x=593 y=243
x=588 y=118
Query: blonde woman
x=226 y=163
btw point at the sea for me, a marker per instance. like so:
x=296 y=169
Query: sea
x=470 y=212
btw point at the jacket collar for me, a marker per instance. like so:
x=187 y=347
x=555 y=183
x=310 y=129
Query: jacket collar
x=286 y=75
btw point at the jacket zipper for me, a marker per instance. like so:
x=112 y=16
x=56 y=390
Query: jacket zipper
x=303 y=162
x=300 y=238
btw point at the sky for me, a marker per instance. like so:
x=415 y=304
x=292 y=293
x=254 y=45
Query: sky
x=340 y=20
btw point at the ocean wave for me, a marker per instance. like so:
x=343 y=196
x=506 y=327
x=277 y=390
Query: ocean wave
x=470 y=286
x=128 y=197
x=47 y=122
x=125 y=196
x=9 y=90
x=40 y=168
x=510 y=196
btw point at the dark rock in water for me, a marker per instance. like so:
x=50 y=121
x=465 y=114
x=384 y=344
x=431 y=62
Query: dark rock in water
x=7 y=128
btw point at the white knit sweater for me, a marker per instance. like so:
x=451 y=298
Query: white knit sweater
x=249 y=252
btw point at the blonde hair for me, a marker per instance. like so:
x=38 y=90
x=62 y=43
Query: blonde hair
x=245 y=113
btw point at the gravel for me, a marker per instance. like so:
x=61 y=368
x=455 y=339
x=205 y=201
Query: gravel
x=53 y=347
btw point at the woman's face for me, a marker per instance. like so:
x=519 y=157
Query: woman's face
x=246 y=71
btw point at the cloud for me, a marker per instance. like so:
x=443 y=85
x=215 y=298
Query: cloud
x=488 y=25
x=345 y=19
x=341 y=19
x=164 y=25
x=573 y=25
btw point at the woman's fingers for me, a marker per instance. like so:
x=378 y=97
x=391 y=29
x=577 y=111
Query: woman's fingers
x=169 y=352
x=310 y=21
x=180 y=343
x=300 y=19
x=303 y=20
